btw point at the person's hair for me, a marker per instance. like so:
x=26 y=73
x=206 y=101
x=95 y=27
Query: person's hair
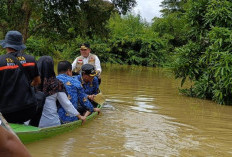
x=64 y=66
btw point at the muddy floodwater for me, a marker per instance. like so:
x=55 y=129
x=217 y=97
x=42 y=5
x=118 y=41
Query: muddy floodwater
x=145 y=116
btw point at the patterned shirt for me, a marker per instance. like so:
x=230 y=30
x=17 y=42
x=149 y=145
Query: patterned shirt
x=89 y=87
x=76 y=95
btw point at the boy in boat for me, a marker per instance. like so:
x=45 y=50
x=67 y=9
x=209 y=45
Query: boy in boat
x=87 y=58
x=75 y=92
x=89 y=82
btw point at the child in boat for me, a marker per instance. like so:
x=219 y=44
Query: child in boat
x=75 y=91
x=54 y=90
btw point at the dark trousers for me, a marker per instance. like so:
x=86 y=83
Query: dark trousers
x=94 y=103
x=36 y=118
x=32 y=113
x=81 y=109
x=20 y=116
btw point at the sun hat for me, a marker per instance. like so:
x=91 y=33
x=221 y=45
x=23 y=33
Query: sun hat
x=14 y=40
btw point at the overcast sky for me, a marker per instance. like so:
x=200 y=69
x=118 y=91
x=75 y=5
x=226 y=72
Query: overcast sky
x=148 y=9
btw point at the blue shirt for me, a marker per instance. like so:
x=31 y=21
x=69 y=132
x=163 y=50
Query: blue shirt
x=89 y=87
x=75 y=94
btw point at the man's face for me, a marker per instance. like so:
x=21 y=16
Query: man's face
x=69 y=72
x=85 y=52
x=87 y=78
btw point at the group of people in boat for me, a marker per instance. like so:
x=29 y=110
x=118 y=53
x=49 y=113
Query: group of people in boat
x=68 y=97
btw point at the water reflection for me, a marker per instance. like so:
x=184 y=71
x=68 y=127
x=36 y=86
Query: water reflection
x=141 y=103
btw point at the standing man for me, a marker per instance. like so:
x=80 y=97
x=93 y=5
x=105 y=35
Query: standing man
x=87 y=57
x=17 y=103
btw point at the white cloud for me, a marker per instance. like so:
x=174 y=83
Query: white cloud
x=148 y=9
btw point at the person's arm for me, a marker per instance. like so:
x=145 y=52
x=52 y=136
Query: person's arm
x=97 y=110
x=34 y=74
x=91 y=97
x=11 y=146
x=66 y=104
x=74 y=64
x=84 y=99
x=68 y=107
x=98 y=66
x=36 y=81
x=86 y=114
x=95 y=86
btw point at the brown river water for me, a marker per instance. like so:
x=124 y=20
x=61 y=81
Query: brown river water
x=145 y=116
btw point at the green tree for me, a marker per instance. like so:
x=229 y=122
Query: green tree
x=132 y=41
x=206 y=59
x=171 y=6
x=65 y=19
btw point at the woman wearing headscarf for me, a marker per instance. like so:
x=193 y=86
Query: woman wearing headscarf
x=54 y=90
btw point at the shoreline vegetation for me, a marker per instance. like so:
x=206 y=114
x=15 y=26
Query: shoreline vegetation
x=192 y=38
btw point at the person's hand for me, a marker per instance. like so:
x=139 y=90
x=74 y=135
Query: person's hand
x=97 y=110
x=82 y=118
x=91 y=97
x=98 y=73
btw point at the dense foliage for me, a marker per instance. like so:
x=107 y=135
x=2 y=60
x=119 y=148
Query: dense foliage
x=203 y=54
x=130 y=41
x=193 y=37
x=59 y=19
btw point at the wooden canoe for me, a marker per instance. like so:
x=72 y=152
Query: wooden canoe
x=28 y=134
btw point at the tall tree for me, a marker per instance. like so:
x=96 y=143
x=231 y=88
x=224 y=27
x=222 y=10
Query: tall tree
x=16 y=14
x=171 y=6
x=59 y=18
x=124 y=5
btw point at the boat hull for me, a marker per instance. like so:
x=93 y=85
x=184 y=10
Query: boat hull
x=28 y=134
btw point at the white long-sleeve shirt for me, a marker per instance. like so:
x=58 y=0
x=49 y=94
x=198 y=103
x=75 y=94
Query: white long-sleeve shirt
x=86 y=61
x=50 y=116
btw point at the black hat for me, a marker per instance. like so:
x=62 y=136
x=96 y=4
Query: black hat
x=85 y=46
x=14 y=40
x=89 y=69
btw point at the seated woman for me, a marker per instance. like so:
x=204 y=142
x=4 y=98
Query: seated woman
x=54 y=90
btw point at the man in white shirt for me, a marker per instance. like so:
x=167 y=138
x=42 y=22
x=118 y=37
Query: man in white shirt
x=86 y=57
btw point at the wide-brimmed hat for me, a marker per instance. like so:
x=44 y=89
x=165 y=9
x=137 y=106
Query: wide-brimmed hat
x=88 y=69
x=14 y=40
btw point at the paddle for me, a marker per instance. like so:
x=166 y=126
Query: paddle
x=6 y=125
x=99 y=98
